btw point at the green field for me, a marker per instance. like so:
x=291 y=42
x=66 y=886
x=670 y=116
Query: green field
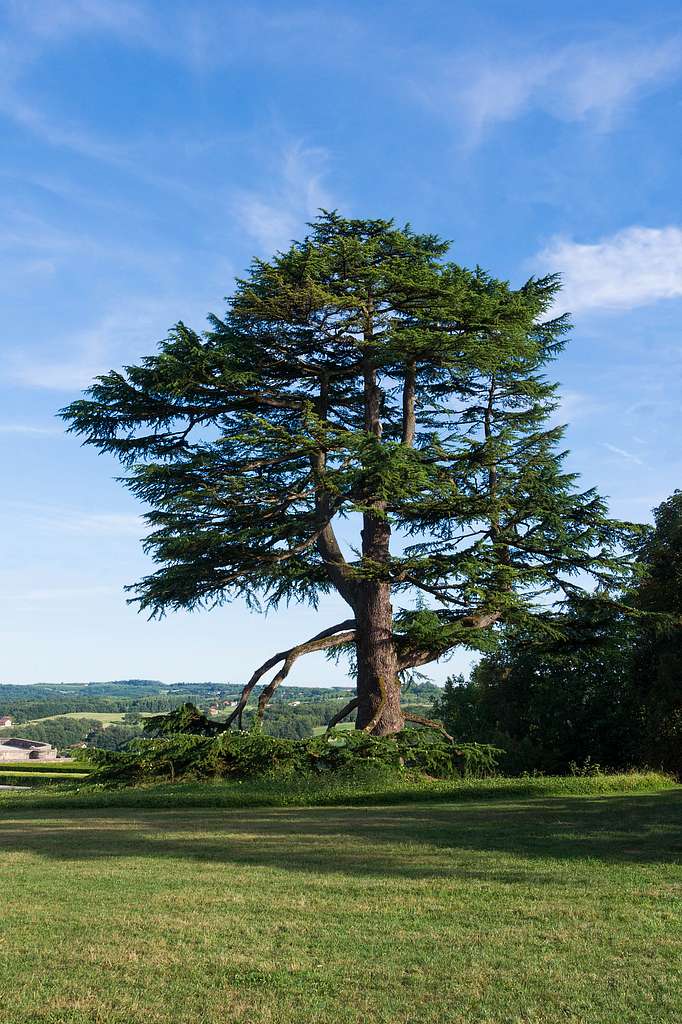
x=63 y=766
x=105 y=717
x=318 y=730
x=536 y=910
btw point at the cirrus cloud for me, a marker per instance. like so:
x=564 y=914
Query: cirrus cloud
x=578 y=82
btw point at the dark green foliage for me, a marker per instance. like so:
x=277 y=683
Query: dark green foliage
x=185 y=719
x=555 y=702
x=605 y=687
x=251 y=755
x=657 y=655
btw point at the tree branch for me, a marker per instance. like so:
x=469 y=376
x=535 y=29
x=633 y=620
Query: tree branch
x=336 y=565
x=328 y=547
x=340 y=715
x=422 y=657
x=429 y=723
x=282 y=656
x=293 y=655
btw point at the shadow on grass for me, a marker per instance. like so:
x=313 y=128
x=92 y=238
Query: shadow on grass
x=415 y=841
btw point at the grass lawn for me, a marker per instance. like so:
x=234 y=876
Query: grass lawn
x=64 y=767
x=319 y=730
x=503 y=910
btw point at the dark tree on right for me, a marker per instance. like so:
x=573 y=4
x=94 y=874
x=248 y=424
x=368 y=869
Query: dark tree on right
x=657 y=659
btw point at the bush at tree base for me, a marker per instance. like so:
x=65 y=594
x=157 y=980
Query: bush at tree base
x=246 y=755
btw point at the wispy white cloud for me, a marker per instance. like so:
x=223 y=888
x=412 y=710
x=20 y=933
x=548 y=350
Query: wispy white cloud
x=59 y=132
x=30 y=430
x=623 y=453
x=60 y=19
x=576 y=82
x=575 y=405
x=273 y=217
x=72 y=360
x=63 y=520
x=634 y=267
x=199 y=36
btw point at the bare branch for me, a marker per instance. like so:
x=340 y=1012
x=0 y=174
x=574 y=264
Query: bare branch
x=340 y=715
x=282 y=656
x=293 y=655
x=429 y=723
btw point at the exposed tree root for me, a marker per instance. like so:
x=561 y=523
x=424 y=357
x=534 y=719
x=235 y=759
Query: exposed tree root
x=380 y=706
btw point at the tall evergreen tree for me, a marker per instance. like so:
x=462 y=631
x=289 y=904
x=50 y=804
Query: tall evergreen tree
x=360 y=375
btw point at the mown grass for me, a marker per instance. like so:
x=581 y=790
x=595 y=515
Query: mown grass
x=495 y=909
x=362 y=788
x=63 y=767
x=36 y=779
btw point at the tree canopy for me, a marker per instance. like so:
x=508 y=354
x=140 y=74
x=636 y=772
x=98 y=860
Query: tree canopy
x=361 y=376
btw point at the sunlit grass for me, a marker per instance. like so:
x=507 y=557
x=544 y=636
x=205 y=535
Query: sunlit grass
x=503 y=910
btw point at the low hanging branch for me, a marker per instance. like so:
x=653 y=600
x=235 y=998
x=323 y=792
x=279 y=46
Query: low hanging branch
x=429 y=724
x=340 y=715
x=327 y=638
x=319 y=644
x=422 y=656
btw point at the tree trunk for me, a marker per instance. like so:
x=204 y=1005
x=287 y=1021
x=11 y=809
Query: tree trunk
x=378 y=688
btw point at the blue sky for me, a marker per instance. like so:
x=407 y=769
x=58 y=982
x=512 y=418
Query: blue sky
x=149 y=149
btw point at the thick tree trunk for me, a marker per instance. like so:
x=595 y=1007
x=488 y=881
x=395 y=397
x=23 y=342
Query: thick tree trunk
x=378 y=687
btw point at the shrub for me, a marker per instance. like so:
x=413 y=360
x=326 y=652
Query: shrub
x=249 y=755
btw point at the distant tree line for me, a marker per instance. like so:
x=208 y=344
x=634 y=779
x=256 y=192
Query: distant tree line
x=64 y=733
